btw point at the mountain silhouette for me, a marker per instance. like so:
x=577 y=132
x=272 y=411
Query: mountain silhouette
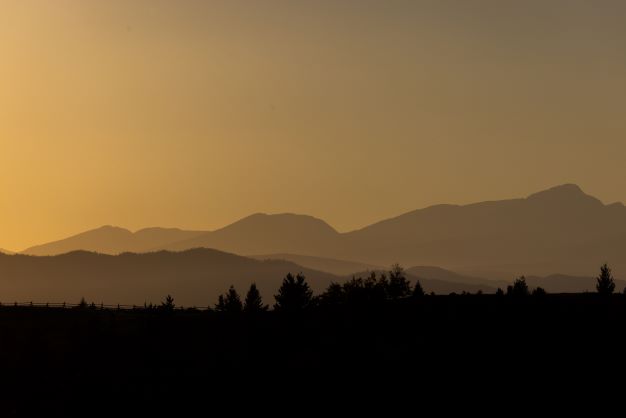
x=3 y=251
x=557 y=230
x=560 y=230
x=193 y=277
x=113 y=240
x=440 y=274
x=266 y=234
x=555 y=283
x=329 y=265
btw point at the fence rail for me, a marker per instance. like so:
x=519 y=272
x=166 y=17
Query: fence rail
x=101 y=306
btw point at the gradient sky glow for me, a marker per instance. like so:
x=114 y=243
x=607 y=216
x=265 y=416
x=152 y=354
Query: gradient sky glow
x=196 y=113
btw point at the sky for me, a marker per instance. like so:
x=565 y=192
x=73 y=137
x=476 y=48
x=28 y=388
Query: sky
x=194 y=113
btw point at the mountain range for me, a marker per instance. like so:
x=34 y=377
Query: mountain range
x=197 y=277
x=561 y=230
x=194 y=277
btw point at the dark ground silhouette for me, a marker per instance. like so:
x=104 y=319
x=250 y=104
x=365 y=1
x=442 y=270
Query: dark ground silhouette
x=63 y=362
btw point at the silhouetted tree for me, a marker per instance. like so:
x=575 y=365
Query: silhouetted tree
x=82 y=304
x=398 y=286
x=221 y=304
x=519 y=288
x=381 y=283
x=359 y=291
x=230 y=302
x=539 y=291
x=375 y=288
x=294 y=294
x=334 y=295
x=418 y=291
x=254 y=302
x=499 y=292
x=168 y=304
x=606 y=283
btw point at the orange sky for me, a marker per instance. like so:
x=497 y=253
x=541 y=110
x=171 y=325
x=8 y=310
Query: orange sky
x=196 y=113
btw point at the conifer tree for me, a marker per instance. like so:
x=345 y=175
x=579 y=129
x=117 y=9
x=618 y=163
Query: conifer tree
x=294 y=294
x=418 y=291
x=254 y=302
x=606 y=283
x=168 y=304
x=230 y=302
x=398 y=285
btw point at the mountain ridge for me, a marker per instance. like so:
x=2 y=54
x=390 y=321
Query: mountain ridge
x=193 y=277
x=558 y=230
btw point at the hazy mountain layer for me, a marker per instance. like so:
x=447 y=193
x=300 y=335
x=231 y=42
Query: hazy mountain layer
x=329 y=265
x=561 y=230
x=556 y=283
x=114 y=240
x=193 y=277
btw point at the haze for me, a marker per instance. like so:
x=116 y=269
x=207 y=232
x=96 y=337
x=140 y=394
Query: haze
x=197 y=113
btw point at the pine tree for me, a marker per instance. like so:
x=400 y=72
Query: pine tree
x=334 y=295
x=539 y=291
x=230 y=302
x=294 y=294
x=606 y=283
x=398 y=285
x=418 y=291
x=168 y=304
x=254 y=302
x=221 y=304
x=519 y=288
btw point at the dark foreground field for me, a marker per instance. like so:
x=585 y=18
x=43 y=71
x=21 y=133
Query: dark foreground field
x=92 y=362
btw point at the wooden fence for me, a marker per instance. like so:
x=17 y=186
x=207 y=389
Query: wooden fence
x=101 y=306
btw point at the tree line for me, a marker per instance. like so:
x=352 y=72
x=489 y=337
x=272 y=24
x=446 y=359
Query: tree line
x=295 y=294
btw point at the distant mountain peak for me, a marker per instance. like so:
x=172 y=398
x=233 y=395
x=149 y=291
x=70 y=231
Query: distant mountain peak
x=109 y=239
x=289 y=220
x=564 y=193
x=105 y=228
x=563 y=189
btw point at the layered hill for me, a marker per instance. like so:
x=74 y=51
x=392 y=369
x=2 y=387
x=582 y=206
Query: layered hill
x=555 y=283
x=194 y=277
x=329 y=265
x=560 y=230
x=114 y=240
x=267 y=234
